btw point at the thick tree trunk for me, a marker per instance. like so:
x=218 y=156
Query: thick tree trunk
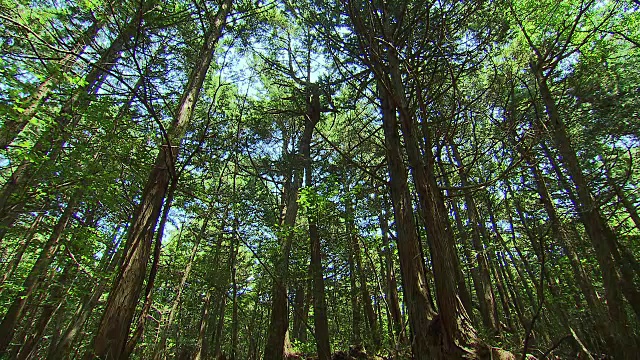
x=421 y=312
x=111 y=337
x=35 y=277
x=148 y=296
x=455 y=334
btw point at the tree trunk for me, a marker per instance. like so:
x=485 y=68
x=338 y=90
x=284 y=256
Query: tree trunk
x=17 y=257
x=35 y=277
x=12 y=128
x=391 y=288
x=320 y=321
x=201 y=351
x=465 y=296
x=217 y=353
x=602 y=237
x=355 y=294
x=52 y=305
x=148 y=296
x=234 y=290
x=178 y=298
x=111 y=337
x=628 y=204
x=421 y=312
x=484 y=289
x=279 y=322
x=59 y=351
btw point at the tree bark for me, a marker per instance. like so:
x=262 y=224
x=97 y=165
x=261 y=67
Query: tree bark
x=391 y=288
x=421 y=311
x=484 y=290
x=12 y=128
x=111 y=337
x=17 y=257
x=35 y=277
x=201 y=351
x=108 y=264
x=355 y=294
x=616 y=282
x=279 y=322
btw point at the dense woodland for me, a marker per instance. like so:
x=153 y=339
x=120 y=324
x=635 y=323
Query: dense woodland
x=235 y=179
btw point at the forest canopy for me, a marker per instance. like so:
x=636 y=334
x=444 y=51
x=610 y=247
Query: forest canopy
x=349 y=179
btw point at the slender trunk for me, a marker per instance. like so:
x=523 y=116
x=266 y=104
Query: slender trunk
x=484 y=291
x=35 y=277
x=355 y=294
x=298 y=306
x=220 y=325
x=111 y=337
x=201 y=351
x=628 y=204
x=52 y=305
x=234 y=290
x=391 y=288
x=465 y=296
x=12 y=128
x=17 y=257
x=617 y=281
x=221 y=286
x=60 y=350
x=279 y=322
x=583 y=280
x=372 y=322
x=178 y=298
x=320 y=321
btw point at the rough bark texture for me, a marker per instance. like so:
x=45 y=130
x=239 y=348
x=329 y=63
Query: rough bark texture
x=421 y=312
x=113 y=330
